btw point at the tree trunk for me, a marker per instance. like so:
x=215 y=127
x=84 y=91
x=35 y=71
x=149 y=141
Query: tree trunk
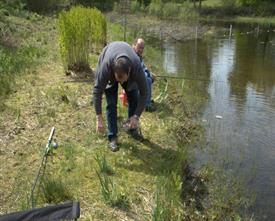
x=194 y=3
x=200 y=4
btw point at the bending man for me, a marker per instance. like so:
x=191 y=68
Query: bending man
x=119 y=64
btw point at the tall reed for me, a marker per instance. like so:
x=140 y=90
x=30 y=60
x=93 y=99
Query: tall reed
x=110 y=192
x=80 y=30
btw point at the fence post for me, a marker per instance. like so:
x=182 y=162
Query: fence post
x=230 y=31
x=258 y=30
x=125 y=8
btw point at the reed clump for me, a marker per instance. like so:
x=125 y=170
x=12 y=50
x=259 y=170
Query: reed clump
x=81 y=30
x=55 y=191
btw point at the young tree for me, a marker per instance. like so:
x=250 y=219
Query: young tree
x=195 y=3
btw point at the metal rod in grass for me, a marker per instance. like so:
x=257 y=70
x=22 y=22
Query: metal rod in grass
x=180 y=77
x=188 y=78
x=42 y=166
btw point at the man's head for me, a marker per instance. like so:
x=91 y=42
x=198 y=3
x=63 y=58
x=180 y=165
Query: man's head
x=122 y=68
x=138 y=46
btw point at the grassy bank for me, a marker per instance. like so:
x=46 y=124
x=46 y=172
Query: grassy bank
x=23 y=43
x=145 y=180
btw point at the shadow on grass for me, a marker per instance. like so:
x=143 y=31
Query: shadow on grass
x=163 y=109
x=154 y=159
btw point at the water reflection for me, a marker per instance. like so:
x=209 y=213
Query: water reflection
x=169 y=58
x=222 y=65
x=254 y=64
x=238 y=76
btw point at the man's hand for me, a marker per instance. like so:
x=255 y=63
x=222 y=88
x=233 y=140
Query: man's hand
x=99 y=124
x=153 y=76
x=133 y=124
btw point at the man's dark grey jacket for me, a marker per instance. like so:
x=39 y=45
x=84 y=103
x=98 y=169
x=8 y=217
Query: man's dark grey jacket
x=105 y=74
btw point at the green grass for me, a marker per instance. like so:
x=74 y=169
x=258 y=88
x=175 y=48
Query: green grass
x=22 y=45
x=103 y=165
x=55 y=191
x=111 y=194
x=162 y=208
x=13 y=64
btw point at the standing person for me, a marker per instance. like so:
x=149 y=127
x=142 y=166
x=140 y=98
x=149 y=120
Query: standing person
x=138 y=47
x=118 y=63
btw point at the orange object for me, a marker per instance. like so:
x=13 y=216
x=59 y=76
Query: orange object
x=123 y=98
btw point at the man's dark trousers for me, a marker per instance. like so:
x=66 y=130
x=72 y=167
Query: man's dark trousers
x=111 y=108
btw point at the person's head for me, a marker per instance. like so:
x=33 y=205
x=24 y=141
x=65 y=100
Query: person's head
x=138 y=46
x=122 y=68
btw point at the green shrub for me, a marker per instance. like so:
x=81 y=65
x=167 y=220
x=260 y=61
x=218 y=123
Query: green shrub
x=103 y=5
x=246 y=2
x=55 y=191
x=40 y=5
x=170 y=10
x=115 y=31
x=228 y=3
x=44 y=6
x=135 y=6
x=188 y=13
x=155 y=8
x=164 y=10
x=81 y=29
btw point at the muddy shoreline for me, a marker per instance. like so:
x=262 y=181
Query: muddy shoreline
x=163 y=29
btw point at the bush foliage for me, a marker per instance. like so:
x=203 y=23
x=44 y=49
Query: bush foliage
x=81 y=29
x=171 y=10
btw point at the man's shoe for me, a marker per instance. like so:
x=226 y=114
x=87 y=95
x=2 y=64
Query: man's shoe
x=150 y=108
x=136 y=134
x=113 y=145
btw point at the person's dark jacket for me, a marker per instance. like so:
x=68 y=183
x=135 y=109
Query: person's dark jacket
x=105 y=76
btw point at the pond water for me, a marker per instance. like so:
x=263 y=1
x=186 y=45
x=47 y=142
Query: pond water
x=237 y=74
